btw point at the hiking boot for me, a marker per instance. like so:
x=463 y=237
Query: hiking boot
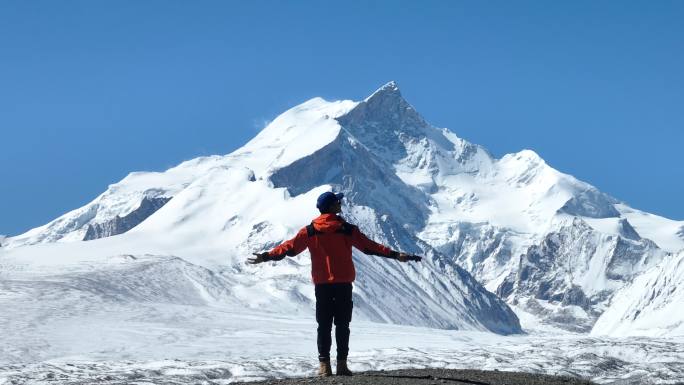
x=324 y=369
x=342 y=369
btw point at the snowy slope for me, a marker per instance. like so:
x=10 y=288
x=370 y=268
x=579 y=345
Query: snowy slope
x=297 y=132
x=668 y=234
x=650 y=305
x=550 y=244
x=120 y=199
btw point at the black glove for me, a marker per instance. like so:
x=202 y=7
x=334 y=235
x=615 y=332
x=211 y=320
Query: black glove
x=260 y=257
x=403 y=257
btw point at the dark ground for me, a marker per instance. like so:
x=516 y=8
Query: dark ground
x=432 y=376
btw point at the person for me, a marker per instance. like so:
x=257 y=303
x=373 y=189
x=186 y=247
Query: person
x=329 y=239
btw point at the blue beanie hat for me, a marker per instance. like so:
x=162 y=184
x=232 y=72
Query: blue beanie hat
x=326 y=199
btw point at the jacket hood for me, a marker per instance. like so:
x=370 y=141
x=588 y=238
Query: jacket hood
x=327 y=223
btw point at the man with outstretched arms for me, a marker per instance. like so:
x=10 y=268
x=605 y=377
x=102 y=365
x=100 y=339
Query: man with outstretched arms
x=329 y=239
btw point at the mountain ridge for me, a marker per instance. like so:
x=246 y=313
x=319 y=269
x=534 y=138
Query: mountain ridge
x=418 y=187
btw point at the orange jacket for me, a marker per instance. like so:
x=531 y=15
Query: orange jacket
x=330 y=240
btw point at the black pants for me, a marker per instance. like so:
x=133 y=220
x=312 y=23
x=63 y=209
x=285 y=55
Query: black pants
x=333 y=303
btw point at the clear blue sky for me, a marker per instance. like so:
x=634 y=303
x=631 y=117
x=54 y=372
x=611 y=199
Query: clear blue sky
x=91 y=90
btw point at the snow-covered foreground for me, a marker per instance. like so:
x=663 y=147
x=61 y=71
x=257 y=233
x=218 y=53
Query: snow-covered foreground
x=152 y=342
x=254 y=347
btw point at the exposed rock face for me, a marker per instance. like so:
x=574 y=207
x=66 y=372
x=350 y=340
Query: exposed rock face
x=119 y=225
x=627 y=231
x=592 y=204
x=393 y=131
x=366 y=176
x=650 y=304
x=579 y=268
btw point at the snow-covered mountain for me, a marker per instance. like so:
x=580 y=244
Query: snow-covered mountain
x=549 y=244
x=570 y=276
x=199 y=221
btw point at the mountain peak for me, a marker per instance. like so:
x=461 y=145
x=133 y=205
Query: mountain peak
x=388 y=91
x=384 y=108
x=529 y=157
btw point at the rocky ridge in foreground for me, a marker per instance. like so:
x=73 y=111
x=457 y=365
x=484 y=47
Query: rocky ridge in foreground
x=433 y=376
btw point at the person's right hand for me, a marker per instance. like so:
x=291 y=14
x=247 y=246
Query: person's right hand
x=403 y=257
x=260 y=257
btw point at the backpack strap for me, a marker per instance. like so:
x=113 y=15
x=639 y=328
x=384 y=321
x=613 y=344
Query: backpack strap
x=346 y=229
x=311 y=231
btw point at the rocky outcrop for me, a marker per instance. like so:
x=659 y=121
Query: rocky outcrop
x=592 y=204
x=626 y=230
x=119 y=225
x=575 y=271
x=649 y=305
